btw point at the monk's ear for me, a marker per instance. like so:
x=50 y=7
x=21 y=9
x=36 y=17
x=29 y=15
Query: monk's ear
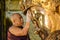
x=12 y=20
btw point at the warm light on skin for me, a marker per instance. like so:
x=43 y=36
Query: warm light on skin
x=17 y=20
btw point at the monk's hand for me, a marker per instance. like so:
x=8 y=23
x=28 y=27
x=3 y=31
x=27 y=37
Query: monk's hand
x=28 y=16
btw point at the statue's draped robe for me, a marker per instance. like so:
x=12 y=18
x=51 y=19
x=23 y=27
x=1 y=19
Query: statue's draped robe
x=53 y=21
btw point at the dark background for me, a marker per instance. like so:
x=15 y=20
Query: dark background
x=2 y=20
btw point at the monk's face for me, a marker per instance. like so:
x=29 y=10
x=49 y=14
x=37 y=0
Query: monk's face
x=19 y=21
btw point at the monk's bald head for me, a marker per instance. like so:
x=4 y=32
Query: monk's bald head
x=15 y=16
